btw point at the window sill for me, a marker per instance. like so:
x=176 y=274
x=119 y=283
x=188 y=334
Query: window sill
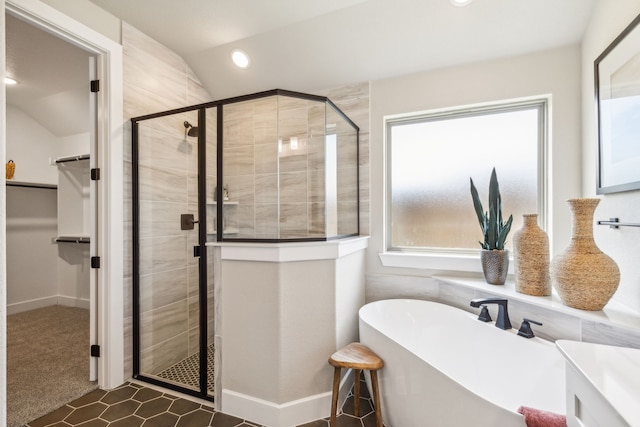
x=435 y=261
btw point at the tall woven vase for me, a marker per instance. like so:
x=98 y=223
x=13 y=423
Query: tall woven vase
x=531 y=258
x=584 y=276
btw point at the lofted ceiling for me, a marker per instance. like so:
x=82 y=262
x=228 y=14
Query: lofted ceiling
x=52 y=75
x=301 y=45
x=308 y=45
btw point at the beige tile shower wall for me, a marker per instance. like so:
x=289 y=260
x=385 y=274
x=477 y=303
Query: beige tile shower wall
x=212 y=170
x=240 y=165
x=271 y=186
x=167 y=172
x=294 y=128
x=157 y=79
x=281 y=191
x=353 y=100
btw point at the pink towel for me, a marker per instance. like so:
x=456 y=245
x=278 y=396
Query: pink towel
x=539 y=418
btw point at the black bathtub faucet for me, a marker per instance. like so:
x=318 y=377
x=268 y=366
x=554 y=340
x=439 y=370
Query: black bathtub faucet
x=502 y=321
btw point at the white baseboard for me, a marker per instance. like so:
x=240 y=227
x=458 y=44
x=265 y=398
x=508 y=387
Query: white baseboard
x=287 y=414
x=19 y=307
x=73 y=302
x=33 y=304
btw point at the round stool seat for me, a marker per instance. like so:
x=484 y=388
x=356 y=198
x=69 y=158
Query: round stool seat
x=357 y=357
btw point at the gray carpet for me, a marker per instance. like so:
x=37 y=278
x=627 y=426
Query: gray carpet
x=47 y=361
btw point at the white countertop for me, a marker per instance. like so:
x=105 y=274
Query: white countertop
x=290 y=251
x=614 y=372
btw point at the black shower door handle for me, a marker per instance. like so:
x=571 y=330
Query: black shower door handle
x=187 y=222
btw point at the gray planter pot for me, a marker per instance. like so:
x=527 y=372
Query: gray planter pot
x=495 y=265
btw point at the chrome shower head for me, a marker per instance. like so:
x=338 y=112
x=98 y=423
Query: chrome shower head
x=192 y=130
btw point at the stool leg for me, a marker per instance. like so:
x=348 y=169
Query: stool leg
x=356 y=391
x=334 y=397
x=376 y=398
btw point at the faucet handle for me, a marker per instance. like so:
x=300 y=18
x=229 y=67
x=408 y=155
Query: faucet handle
x=484 y=315
x=525 y=328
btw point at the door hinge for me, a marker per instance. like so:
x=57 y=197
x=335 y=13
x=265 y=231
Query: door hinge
x=95 y=262
x=95 y=174
x=95 y=350
x=95 y=85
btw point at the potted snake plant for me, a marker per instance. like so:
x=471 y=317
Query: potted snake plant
x=494 y=257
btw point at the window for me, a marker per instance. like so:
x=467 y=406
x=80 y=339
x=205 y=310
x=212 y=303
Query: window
x=431 y=156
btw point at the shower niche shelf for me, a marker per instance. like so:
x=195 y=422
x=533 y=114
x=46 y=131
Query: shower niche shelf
x=229 y=218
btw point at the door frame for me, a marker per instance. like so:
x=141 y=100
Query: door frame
x=109 y=158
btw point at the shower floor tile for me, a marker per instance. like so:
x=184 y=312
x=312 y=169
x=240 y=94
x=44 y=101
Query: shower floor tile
x=134 y=405
x=187 y=371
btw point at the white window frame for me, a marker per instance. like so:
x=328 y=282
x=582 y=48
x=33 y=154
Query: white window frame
x=465 y=260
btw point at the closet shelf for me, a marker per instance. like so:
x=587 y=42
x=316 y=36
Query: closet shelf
x=73 y=158
x=31 y=185
x=73 y=239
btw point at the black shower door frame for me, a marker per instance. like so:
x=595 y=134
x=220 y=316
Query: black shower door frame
x=200 y=251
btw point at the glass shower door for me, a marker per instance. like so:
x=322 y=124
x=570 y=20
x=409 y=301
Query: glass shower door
x=167 y=285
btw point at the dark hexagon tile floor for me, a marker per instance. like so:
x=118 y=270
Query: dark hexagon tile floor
x=346 y=416
x=134 y=405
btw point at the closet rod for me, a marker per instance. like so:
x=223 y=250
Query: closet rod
x=73 y=158
x=31 y=185
x=67 y=239
x=615 y=223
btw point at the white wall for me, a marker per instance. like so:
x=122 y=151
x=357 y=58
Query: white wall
x=30 y=146
x=62 y=273
x=31 y=256
x=554 y=72
x=90 y=15
x=31 y=215
x=286 y=313
x=293 y=305
x=608 y=20
x=72 y=145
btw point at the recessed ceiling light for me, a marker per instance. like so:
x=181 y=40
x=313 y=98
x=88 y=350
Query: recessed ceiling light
x=9 y=81
x=460 y=3
x=240 y=58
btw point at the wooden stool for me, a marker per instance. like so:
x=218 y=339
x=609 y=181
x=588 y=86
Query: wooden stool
x=357 y=357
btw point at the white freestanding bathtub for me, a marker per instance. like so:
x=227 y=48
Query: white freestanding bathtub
x=445 y=368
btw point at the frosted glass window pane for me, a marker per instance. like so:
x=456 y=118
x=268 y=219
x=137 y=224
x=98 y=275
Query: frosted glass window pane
x=432 y=159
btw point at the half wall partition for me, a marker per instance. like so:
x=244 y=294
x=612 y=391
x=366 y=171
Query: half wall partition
x=276 y=166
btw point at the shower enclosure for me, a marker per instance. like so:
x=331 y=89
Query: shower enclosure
x=274 y=167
